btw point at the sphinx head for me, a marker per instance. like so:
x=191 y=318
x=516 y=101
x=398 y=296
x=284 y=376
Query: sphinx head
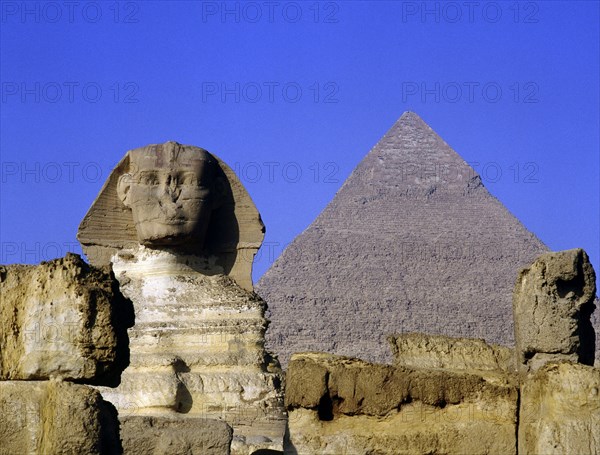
x=170 y=190
x=176 y=197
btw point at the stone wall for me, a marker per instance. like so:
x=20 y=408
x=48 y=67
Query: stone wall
x=175 y=435
x=62 y=322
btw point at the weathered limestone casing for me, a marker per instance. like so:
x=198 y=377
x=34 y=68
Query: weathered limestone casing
x=411 y=242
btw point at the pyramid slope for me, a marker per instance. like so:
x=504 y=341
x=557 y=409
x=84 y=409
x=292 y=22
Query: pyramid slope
x=412 y=241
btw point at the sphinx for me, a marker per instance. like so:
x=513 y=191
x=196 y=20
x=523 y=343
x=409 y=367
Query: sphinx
x=180 y=232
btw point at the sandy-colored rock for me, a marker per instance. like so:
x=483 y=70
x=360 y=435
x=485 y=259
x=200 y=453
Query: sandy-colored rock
x=62 y=318
x=376 y=408
x=417 y=350
x=229 y=228
x=144 y=435
x=355 y=387
x=560 y=410
x=306 y=382
x=54 y=417
x=552 y=303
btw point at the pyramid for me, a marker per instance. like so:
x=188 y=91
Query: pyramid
x=412 y=241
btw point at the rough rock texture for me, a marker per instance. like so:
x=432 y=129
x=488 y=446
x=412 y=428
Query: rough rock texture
x=553 y=301
x=560 y=410
x=235 y=231
x=417 y=350
x=143 y=435
x=53 y=417
x=344 y=405
x=62 y=318
x=412 y=242
x=197 y=348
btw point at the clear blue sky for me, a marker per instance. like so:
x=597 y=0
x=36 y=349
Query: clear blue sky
x=292 y=95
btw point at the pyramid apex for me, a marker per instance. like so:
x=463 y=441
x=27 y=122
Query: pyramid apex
x=411 y=118
x=409 y=114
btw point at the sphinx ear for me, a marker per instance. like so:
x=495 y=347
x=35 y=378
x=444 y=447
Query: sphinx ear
x=123 y=188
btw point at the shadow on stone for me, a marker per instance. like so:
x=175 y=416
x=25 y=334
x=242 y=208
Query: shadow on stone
x=122 y=318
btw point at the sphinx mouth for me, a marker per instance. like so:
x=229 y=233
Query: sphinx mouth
x=174 y=222
x=165 y=222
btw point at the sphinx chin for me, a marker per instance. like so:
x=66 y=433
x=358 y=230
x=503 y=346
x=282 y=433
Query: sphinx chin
x=168 y=232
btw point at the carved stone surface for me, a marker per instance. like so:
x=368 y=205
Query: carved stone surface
x=210 y=212
x=417 y=350
x=412 y=242
x=62 y=318
x=54 y=417
x=164 y=435
x=553 y=301
x=344 y=405
x=560 y=410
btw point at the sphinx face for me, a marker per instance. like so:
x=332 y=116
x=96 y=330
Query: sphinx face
x=170 y=199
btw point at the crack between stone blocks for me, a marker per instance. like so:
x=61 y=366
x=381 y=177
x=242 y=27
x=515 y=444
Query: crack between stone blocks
x=518 y=420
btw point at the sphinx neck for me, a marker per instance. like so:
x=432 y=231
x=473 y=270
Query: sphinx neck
x=152 y=261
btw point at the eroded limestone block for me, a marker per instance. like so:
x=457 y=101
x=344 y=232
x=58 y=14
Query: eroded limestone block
x=375 y=408
x=62 y=318
x=552 y=303
x=181 y=435
x=417 y=350
x=560 y=410
x=55 y=417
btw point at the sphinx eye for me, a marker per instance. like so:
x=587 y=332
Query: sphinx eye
x=189 y=178
x=148 y=178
